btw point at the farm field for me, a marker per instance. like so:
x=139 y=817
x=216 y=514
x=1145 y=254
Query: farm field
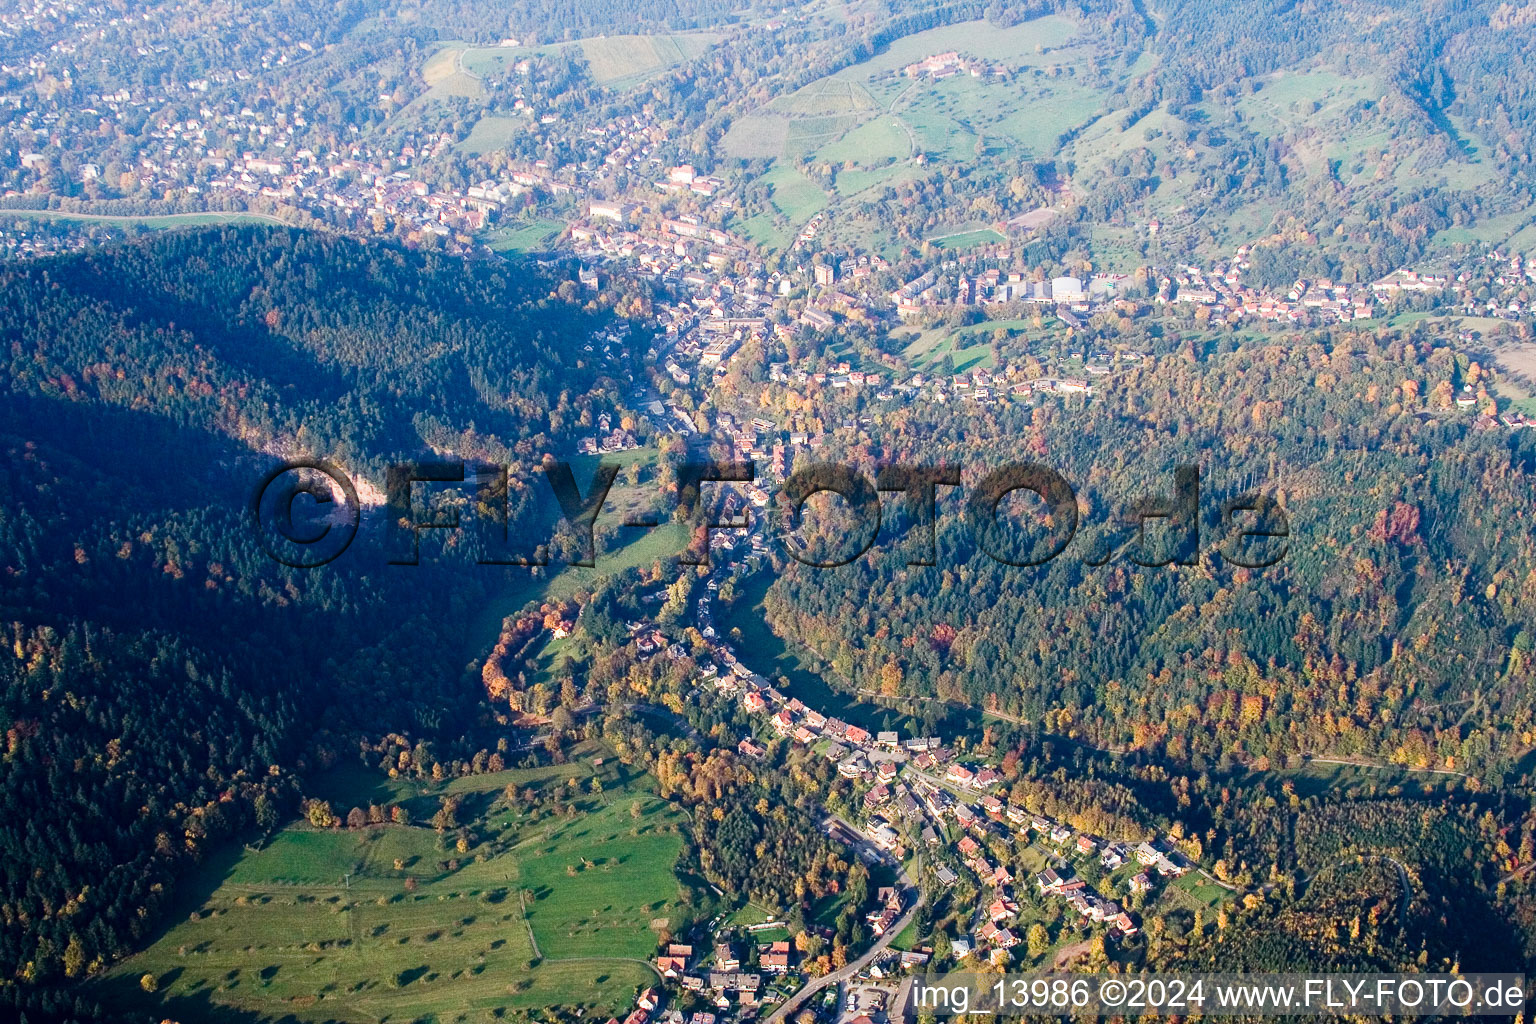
x=442 y=64
x=392 y=923
x=873 y=143
x=1037 y=42
x=618 y=62
x=491 y=133
x=771 y=136
x=1518 y=359
x=447 y=78
x=833 y=95
x=808 y=134
x=757 y=136
x=623 y=61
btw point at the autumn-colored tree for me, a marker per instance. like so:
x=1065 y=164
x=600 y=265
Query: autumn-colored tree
x=319 y=813
x=1037 y=940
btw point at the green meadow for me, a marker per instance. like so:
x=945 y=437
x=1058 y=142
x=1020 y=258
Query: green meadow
x=394 y=923
x=618 y=62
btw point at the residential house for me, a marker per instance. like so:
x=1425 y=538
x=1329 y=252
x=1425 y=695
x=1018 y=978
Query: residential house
x=960 y=775
x=1000 y=938
x=776 y=960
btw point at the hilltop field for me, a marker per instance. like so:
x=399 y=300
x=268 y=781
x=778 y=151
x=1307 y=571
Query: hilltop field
x=557 y=901
x=1039 y=91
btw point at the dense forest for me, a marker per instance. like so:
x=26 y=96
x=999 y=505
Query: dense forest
x=1397 y=625
x=165 y=678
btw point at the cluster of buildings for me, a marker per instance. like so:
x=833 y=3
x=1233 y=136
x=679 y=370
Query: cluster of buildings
x=907 y=793
x=228 y=133
x=1497 y=285
x=1493 y=286
x=720 y=975
x=1228 y=300
x=608 y=439
x=946 y=65
x=996 y=286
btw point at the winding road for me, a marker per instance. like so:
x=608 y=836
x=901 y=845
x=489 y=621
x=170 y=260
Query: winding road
x=853 y=967
x=850 y=969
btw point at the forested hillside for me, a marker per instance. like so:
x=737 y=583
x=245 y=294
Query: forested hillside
x=1398 y=625
x=164 y=677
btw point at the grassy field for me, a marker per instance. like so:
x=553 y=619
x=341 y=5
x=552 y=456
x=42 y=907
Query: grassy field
x=1054 y=102
x=618 y=62
x=442 y=65
x=1317 y=777
x=808 y=134
x=390 y=923
x=635 y=546
x=795 y=199
x=526 y=236
x=757 y=136
x=639 y=547
x=492 y=133
x=447 y=78
x=875 y=142
x=852 y=183
x=1200 y=889
x=968 y=349
x=867 y=120
x=795 y=195
x=1034 y=43
x=968 y=239
x=832 y=95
